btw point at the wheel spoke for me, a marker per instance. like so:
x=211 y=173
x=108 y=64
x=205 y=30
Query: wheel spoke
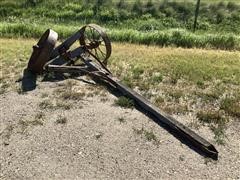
x=103 y=54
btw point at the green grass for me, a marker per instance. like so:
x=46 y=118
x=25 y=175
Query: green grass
x=163 y=23
x=46 y=104
x=231 y=105
x=6 y=134
x=121 y=120
x=25 y=124
x=209 y=117
x=124 y=102
x=149 y=135
x=217 y=123
x=173 y=37
x=40 y=115
x=61 y=120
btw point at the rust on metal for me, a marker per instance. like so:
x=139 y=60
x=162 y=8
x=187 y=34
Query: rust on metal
x=92 y=54
x=42 y=51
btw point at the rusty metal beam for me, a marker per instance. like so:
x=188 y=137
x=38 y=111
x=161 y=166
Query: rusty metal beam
x=182 y=130
x=197 y=141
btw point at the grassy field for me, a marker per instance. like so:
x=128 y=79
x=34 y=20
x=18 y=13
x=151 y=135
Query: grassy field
x=163 y=23
x=203 y=83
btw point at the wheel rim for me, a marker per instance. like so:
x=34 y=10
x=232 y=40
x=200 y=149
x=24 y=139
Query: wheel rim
x=96 y=42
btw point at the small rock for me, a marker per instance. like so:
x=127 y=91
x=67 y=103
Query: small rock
x=5 y=143
x=98 y=135
x=182 y=158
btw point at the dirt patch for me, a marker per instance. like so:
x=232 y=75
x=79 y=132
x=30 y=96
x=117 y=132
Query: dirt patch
x=95 y=139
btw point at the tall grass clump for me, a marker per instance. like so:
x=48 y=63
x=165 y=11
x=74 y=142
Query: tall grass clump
x=163 y=23
x=143 y=15
x=27 y=30
x=177 y=37
x=174 y=37
x=20 y=30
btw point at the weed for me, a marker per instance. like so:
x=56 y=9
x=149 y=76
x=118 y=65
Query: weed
x=231 y=106
x=176 y=109
x=61 y=120
x=137 y=71
x=70 y=83
x=36 y=122
x=121 y=120
x=148 y=94
x=72 y=95
x=174 y=78
x=39 y=116
x=2 y=91
x=194 y=124
x=157 y=78
x=124 y=102
x=208 y=97
x=138 y=131
x=182 y=158
x=176 y=94
x=207 y=160
x=46 y=104
x=127 y=81
x=216 y=122
x=6 y=134
x=19 y=90
x=200 y=84
x=219 y=133
x=3 y=87
x=104 y=99
x=159 y=100
x=90 y=94
x=211 y=117
x=63 y=105
x=149 y=135
x=24 y=124
x=44 y=95
x=143 y=85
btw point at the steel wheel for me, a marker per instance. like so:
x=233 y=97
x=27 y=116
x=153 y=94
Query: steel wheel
x=96 y=42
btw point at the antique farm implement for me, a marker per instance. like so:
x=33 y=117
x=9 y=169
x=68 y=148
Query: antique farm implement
x=90 y=57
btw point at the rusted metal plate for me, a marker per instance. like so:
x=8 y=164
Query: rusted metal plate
x=42 y=51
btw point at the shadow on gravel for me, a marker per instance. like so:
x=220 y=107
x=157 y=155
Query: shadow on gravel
x=29 y=83
x=28 y=80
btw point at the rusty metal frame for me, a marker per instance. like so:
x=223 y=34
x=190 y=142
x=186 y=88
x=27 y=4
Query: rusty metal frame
x=61 y=59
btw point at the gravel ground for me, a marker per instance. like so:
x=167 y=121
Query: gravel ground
x=94 y=139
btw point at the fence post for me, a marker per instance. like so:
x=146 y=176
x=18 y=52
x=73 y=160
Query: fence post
x=196 y=15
